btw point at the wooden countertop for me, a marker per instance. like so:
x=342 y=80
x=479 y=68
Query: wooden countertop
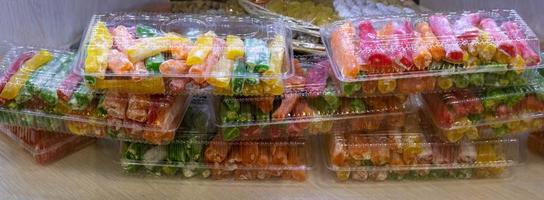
x=94 y=173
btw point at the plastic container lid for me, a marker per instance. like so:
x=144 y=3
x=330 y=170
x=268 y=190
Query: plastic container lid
x=211 y=157
x=405 y=155
x=190 y=50
x=421 y=49
x=46 y=147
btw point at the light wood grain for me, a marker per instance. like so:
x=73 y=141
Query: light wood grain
x=94 y=173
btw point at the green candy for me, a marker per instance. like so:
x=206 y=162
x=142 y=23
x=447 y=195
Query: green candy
x=230 y=134
x=143 y=31
x=351 y=88
x=476 y=80
x=48 y=93
x=237 y=81
x=461 y=81
x=153 y=63
x=257 y=55
x=231 y=103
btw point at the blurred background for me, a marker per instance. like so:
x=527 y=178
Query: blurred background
x=39 y=22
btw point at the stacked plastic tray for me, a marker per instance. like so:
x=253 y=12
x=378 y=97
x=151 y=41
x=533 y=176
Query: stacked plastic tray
x=474 y=77
x=417 y=96
x=46 y=147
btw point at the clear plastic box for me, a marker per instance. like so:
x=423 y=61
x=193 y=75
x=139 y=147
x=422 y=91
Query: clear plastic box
x=46 y=147
x=209 y=157
x=258 y=117
x=429 y=52
x=169 y=53
x=485 y=113
x=416 y=156
x=39 y=89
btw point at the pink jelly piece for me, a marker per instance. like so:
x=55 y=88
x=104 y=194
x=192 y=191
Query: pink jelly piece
x=466 y=28
x=122 y=38
x=14 y=67
x=69 y=84
x=499 y=37
x=515 y=33
x=316 y=77
x=372 y=54
x=442 y=29
x=404 y=38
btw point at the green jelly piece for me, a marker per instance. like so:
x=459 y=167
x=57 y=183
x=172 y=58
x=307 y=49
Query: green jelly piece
x=154 y=62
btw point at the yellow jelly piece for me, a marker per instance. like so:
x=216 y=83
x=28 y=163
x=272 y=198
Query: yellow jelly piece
x=201 y=49
x=518 y=63
x=342 y=175
x=277 y=51
x=445 y=83
x=387 y=86
x=147 y=47
x=472 y=133
x=16 y=82
x=221 y=73
x=485 y=153
x=98 y=50
x=153 y=85
x=454 y=135
x=235 y=47
x=252 y=90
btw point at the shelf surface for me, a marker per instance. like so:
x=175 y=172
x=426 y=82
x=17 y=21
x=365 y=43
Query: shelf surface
x=94 y=173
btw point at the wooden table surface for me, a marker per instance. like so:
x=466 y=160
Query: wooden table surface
x=94 y=173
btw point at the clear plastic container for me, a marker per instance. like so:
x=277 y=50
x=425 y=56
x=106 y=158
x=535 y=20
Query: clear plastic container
x=429 y=52
x=209 y=157
x=38 y=89
x=46 y=147
x=535 y=142
x=416 y=156
x=169 y=53
x=485 y=113
x=268 y=117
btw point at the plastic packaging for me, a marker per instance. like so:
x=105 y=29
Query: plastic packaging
x=41 y=91
x=210 y=157
x=416 y=156
x=46 y=147
x=259 y=117
x=535 y=142
x=427 y=52
x=485 y=113
x=169 y=53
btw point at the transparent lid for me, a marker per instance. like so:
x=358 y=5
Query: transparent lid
x=223 y=51
x=466 y=108
x=211 y=156
x=415 y=46
x=404 y=151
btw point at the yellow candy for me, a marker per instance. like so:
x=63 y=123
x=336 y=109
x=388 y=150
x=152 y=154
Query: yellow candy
x=98 y=49
x=221 y=73
x=445 y=83
x=147 y=47
x=342 y=175
x=472 y=133
x=16 y=82
x=387 y=86
x=454 y=135
x=485 y=153
x=201 y=49
x=153 y=85
x=277 y=52
x=518 y=63
x=235 y=47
